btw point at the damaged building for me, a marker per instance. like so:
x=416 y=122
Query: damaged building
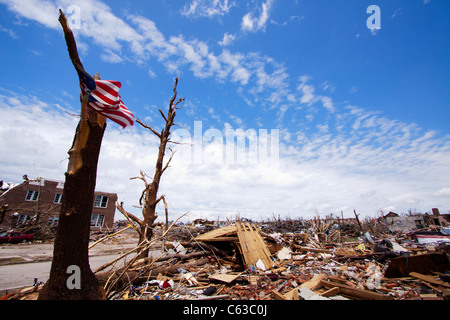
x=413 y=222
x=39 y=201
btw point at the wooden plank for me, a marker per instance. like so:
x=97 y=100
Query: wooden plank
x=252 y=246
x=292 y=295
x=315 y=282
x=219 y=232
x=429 y=279
x=331 y=292
x=227 y=278
x=278 y=296
x=220 y=239
x=219 y=297
x=355 y=293
x=309 y=249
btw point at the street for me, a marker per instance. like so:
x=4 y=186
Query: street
x=23 y=274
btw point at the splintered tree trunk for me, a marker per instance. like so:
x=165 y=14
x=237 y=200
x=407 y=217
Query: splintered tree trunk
x=72 y=237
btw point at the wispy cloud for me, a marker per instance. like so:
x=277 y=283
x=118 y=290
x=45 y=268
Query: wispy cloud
x=11 y=33
x=138 y=39
x=207 y=8
x=43 y=12
x=343 y=159
x=381 y=164
x=252 y=23
x=227 y=39
x=110 y=56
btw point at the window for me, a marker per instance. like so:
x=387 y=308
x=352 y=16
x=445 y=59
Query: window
x=32 y=196
x=97 y=220
x=53 y=221
x=101 y=201
x=23 y=219
x=58 y=198
x=419 y=224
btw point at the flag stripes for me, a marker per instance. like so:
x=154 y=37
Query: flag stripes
x=105 y=99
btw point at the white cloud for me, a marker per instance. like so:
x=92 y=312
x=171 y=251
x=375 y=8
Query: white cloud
x=151 y=73
x=227 y=39
x=232 y=64
x=444 y=192
x=309 y=97
x=11 y=33
x=138 y=39
x=41 y=11
x=207 y=8
x=321 y=172
x=252 y=23
x=110 y=56
x=379 y=163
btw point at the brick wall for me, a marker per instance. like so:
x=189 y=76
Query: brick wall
x=20 y=205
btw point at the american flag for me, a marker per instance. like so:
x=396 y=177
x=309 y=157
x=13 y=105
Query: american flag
x=103 y=96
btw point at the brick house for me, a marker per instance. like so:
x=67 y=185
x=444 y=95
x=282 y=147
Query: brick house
x=41 y=199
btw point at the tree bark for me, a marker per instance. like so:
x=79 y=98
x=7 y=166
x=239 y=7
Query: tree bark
x=72 y=237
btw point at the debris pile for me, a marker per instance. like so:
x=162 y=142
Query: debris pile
x=316 y=260
x=242 y=262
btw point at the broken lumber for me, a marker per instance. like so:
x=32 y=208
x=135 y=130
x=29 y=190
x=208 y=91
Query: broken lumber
x=217 y=233
x=292 y=295
x=354 y=293
x=278 y=296
x=227 y=278
x=252 y=246
x=429 y=279
x=315 y=282
x=331 y=292
x=309 y=249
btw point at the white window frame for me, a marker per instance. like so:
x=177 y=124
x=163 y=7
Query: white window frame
x=58 y=198
x=97 y=220
x=23 y=219
x=32 y=196
x=99 y=201
x=53 y=221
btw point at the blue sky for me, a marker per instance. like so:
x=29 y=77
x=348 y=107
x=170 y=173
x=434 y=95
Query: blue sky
x=362 y=114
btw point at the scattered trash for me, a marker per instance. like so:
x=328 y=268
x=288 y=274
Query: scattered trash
x=311 y=260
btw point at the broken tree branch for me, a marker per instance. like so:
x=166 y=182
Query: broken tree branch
x=128 y=215
x=108 y=236
x=141 y=247
x=168 y=162
x=162 y=114
x=149 y=128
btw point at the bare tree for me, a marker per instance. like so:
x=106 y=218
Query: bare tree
x=149 y=198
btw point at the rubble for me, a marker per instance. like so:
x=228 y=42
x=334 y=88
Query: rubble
x=316 y=260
